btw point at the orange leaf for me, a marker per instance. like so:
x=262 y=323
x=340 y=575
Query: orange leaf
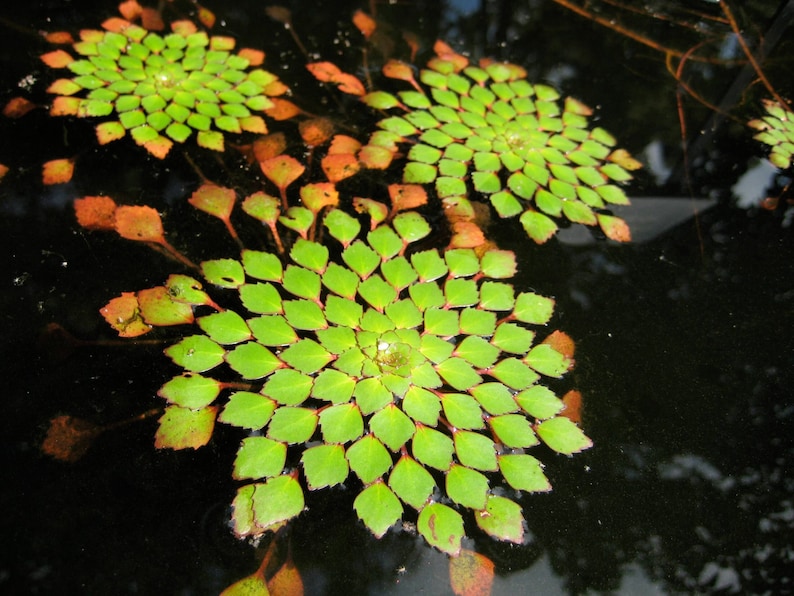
x=254 y=57
x=115 y=24
x=340 y=166
x=65 y=106
x=561 y=342
x=152 y=19
x=364 y=23
x=374 y=157
x=572 y=409
x=141 y=223
x=466 y=234
x=130 y=10
x=159 y=147
x=95 y=213
x=59 y=37
x=286 y=581
x=3 y=171
x=268 y=146
x=282 y=109
x=407 y=196
x=282 y=170
x=275 y=89
x=316 y=131
x=325 y=72
x=395 y=69
x=614 y=227
x=17 y=107
x=57 y=59
x=471 y=574
x=206 y=16
x=215 y=200
x=318 y=195
x=350 y=84
x=343 y=144
x=124 y=315
x=184 y=27
x=57 y=171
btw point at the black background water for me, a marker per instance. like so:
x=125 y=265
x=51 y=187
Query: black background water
x=684 y=346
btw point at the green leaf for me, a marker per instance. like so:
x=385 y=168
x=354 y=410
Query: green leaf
x=513 y=430
x=272 y=330
x=498 y=264
x=432 y=447
x=369 y=459
x=429 y=265
x=563 y=436
x=538 y=226
x=302 y=282
x=422 y=405
x=462 y=262
x=377 y=292
x=435 y=349
x=404 y=314
x=378 y=508
x=523 y=472
x=341 y=423
x=392 y=426
x=371 y=395
x=503 y=521
x=259 y=457
x=341 y=280
x=361 y=258
x=548 y=361
x=398 y=272
x=477 y=351
x=324 y=465
x=261 y=298
x=496 y=295
x=442 y=527
x=426 y=295
x=419 y=173
x=495 y=398
x=304 y=314
x=539 y=401
x=462 y=411
x=533 y=308
x=337 y=339
x=411 y=226
x=288 y=387
x=225 y=273
x=441 y=322
x=342 y=226
x=458 y=373
x=306 y=356
x=278 y=500
x=467 y=487
x=196 y=353
x=225 y=327
x=183 y=428
x=512 y=338
x=190 y=391
x=461 y=292
x=299 y=219
x=385 y=242
x=183 y=288
x=334 y=386
x=478 y=322
x=253 y=360
x=247 y=410
x=309 y=254
x=514 y=373
x=475 y=450
x=411 y=482
x=292 y=425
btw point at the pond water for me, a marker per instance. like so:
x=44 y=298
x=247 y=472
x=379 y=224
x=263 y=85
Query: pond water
x=684 y=340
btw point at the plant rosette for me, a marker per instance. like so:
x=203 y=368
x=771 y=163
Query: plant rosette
x=161 y=89
x=776 y=129
x=417 y=371
x=485 y=127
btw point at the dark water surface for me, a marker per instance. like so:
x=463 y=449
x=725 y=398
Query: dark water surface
x=684 y=343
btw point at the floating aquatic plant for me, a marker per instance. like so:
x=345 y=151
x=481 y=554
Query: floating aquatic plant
x=485 y=128
x=417 y=371
x=776 y=129
x=162 y=88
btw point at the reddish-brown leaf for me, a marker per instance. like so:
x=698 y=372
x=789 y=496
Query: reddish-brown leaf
x=206 y=16
x=280 y=14
x=124 y=315
x=407 y=196
x=152 y=19
x=340 y=166
x=59 y=37
x=471 y=574
x=3 y=171
x=572 y=409
x=130 y=10
x=364 y=23
x=287 y=581
x=116 y=24
x=561 y=342
x=17 y=107
x=57 y=171
x=316 y=131
x=282 y=109
x=95 y=213
x=268 y=146
x=282 y=170
x=325 y=72
x=68 y=438
x=57 y=59
x=139 y=222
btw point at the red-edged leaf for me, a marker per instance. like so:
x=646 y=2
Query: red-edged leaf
x=57 y=171
x=158 y=308
x=282 y=170
x=159 y=147
x=124 y=314
x=57 y=59
x=17 y=107
x=95 y=213
x=65 y=106
x=614 y=227
x=142 y=223
x=471 y=574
